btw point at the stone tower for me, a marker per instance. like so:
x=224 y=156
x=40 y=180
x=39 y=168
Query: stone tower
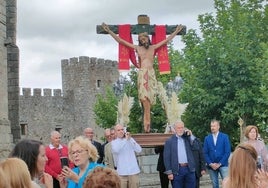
x=83 y=79
x=13 y=69
x=5 y=131
x=69 y=110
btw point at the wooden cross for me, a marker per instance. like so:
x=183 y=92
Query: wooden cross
x=142 y=26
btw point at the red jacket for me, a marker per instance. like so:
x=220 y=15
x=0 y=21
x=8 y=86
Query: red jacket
x=53 y=165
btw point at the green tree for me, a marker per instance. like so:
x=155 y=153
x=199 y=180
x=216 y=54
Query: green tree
x=105 y=109
x=225 y=71
x=224 y=68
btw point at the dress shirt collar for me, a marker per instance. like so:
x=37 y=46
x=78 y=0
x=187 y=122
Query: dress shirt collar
x=52 y=147
x=215 y=134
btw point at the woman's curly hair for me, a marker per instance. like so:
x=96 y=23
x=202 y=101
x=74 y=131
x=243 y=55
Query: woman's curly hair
x=102 y=177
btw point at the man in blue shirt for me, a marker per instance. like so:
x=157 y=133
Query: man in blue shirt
x=178 y=158
x=217 y=149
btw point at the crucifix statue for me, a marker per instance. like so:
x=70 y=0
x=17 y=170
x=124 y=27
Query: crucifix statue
x=146 y=51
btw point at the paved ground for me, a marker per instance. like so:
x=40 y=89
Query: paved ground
x=152 y=181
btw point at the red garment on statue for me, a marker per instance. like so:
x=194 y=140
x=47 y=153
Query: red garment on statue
x=125 y=54
x=162 y=52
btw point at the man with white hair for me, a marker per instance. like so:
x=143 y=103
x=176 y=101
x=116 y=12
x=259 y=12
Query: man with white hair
x=179 y=158
x=57 y=155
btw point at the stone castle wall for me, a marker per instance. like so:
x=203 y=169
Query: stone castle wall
x=12 y=68
x=40 y=114
x=37 y=112
x=69 y=110
x=6 y=141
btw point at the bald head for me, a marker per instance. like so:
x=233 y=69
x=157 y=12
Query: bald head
x=119 y=131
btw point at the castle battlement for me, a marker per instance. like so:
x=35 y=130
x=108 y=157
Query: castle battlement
x=37 y=92
x=69 y=110
x=85 y=60
x=89 y=73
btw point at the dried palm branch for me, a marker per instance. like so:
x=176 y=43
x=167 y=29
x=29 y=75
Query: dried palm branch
x=123 y=110
x=175 y=109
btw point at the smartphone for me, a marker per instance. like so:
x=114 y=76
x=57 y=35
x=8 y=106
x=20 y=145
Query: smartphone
x=125 y=131
x=259 y=162
x=64 y=161
x=186 y=133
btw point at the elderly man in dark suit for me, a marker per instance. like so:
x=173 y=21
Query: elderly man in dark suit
x=179 y=159
x=89 y=133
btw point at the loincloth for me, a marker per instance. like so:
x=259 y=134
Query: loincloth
x=147 y=85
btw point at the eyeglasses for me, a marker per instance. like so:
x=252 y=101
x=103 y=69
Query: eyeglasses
x=77 y=152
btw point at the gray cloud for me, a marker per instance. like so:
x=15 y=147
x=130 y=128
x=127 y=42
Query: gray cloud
x=52 y=30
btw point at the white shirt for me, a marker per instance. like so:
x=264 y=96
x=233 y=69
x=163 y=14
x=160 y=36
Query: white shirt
x=52 y=147
x=124 y=152
x=215 y=138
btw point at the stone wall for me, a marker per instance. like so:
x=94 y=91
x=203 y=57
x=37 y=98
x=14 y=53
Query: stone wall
x=5 y=131
x=148 y=160
x=37 y=112
x=12 y=68
x=40 y=114
x=69 y=110
x=84 y=78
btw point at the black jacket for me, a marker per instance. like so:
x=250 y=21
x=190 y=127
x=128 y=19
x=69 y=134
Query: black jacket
x=160 y=163
x=200 y=164
x=100 y=150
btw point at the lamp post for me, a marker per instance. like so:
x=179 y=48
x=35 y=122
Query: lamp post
x=241 y=123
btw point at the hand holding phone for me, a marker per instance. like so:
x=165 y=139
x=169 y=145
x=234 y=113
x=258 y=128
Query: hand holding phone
x=187 y=132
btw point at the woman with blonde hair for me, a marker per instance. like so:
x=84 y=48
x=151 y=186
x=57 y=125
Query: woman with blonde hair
x=251 y=133
x=84 y=155
x=16 y=173
x=3 y=180
x=243 y=171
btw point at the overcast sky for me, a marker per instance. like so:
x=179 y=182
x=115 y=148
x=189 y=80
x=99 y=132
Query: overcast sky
x=52 y=30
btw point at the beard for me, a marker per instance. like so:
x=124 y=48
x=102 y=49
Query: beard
x=146 y=45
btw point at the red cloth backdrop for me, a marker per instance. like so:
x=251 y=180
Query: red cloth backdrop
x=162 y=52
x=125 y=53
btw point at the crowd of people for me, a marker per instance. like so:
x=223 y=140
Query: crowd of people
x=83 y=163
x=183 y=159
